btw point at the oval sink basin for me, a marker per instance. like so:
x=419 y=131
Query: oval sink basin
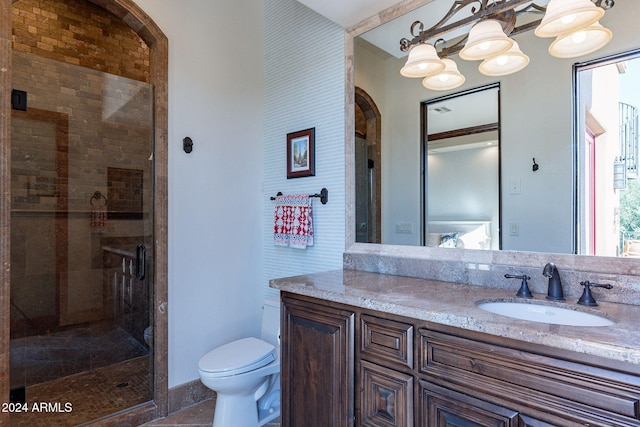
x=544 y=313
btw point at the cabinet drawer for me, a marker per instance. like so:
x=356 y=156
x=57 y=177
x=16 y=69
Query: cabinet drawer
x=386 y=339
x=530 y=382
x=440 y=407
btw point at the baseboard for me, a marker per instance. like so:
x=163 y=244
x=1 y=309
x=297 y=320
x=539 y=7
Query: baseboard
x=188 y=394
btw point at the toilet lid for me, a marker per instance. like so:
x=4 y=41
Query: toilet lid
x=243 y=355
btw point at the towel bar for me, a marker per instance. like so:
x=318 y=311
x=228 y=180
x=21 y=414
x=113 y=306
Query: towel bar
x=98 y=196
x=323 y=195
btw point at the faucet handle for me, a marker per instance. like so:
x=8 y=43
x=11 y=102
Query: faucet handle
x=587 y=298
x=524 y=291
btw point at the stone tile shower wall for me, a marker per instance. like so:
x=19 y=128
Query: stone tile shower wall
x=80 y=33
x=80 y=124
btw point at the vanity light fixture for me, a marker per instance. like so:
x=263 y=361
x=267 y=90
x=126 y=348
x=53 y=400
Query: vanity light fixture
x=574 y=24
x=486 y=39
x=502 y=64
x=581 y=42
x=423 y=61
x=567 y=16
x=449 y=78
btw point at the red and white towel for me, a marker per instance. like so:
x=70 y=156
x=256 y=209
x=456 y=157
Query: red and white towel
x=293 y=221
x=98 y=219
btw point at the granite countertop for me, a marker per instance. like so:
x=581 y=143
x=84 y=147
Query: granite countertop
x=455 y=304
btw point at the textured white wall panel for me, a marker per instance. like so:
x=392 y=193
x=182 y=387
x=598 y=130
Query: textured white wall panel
x=304 y=88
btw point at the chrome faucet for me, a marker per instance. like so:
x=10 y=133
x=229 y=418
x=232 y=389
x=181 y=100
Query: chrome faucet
x=554 y=292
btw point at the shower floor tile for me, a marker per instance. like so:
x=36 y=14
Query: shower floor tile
x=86 y=396
x=40 y=358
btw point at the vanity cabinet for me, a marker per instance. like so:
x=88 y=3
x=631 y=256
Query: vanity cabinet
x=317 y=364
x=562 y=392
x=414 y=373
x=386 y=380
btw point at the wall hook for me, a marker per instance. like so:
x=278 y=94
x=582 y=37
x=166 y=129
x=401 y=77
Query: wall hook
x=187 y=144
x=535 y=166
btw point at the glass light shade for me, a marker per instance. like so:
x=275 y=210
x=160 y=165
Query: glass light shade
x=423 y=60
x=486 y=39
x=567 y=16
x=449 y=78
x=581 y=42
x=509 y=62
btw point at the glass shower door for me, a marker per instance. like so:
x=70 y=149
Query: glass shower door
x=81 y=240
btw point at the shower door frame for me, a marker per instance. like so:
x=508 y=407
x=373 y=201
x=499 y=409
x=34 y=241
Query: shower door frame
x=150 y=33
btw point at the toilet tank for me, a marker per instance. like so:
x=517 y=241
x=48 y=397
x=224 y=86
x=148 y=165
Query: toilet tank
x=271 y=321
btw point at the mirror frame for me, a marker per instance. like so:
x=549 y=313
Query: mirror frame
x=454 y=133
x=587 y=263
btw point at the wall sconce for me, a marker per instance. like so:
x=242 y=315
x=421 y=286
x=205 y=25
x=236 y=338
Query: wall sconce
x=574 y=24
x=619 y=174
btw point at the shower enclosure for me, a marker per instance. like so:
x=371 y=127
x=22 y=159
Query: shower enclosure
x=81 y=238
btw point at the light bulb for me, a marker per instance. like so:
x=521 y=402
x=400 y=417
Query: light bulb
x=502 y=60
x=443 y=77
x=579 y=37
x=484 y=45
x=568 y=19
x=422 y=66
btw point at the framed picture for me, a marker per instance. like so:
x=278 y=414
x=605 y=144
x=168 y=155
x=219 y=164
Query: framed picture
x=301 y=156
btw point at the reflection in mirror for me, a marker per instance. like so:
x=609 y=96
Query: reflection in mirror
x=461 y=153
x=367 y=166
x=536 y=122
x=608 y=98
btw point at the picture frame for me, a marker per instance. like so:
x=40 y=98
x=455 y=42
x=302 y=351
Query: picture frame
x=301 y=156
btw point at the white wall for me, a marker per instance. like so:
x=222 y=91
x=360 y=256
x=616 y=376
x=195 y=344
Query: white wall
x=237 y=88
x=462 y=186
x=215 y=197
x=304 y=88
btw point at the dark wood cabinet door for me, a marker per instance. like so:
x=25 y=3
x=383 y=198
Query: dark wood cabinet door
x=387 y=397
x=441 y=407
x=316 y=365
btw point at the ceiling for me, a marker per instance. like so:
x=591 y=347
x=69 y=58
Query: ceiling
x=348 y=13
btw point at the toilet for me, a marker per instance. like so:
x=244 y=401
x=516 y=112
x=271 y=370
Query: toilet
x=147 y=335
x=245 y=374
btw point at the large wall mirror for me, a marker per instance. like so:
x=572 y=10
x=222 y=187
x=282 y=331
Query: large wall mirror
x=543 y=206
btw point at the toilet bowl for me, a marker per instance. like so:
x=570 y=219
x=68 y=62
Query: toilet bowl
x=147 y=335
x=245 y=374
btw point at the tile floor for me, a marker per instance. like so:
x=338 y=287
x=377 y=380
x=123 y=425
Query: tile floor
x=88 y=368
x=92 y=394
x=96 y=367
x=39 y=358
x=197 y=415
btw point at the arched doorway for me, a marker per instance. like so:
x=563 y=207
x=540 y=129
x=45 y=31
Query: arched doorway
x=130 y=14
x=368 y=148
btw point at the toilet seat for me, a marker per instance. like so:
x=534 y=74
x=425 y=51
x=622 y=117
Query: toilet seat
x=237 y=357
